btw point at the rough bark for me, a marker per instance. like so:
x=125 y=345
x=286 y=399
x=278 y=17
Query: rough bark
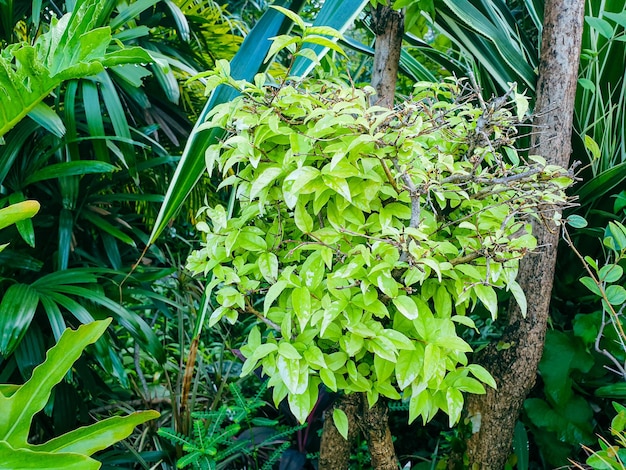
x=334 y=449
x=375 y=426
x=388 y=25
x=494 y=414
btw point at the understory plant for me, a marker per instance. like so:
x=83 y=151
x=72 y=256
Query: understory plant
x=20 y=403
x=606 y=335
x=232 y=435
x=360 y=237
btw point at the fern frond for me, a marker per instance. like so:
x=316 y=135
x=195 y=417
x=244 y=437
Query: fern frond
x=174 y=437
x=290 y=431
x=275 y=456
x=189 y=459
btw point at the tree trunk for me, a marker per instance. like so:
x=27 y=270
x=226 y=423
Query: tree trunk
x=334 y=449
x=388 y=25
x=494 y=414
x=375 y=426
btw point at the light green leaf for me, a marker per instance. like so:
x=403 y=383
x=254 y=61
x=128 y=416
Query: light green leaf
x=408 y=367
x=19 y=458
x=18 y=211
x=591 y=285
x=302 y=218
x=90 y=439
x=340 y=420
x=272 y=294
x=291 y=15
x=268 y=266
x=519 y=296
x=288 y=351
x=301 y=301
x=406 y=306
x=482 y=374
x=488 y=297
x=290 y=372
x=264 y=180
x=454 y=401
x=21 y=407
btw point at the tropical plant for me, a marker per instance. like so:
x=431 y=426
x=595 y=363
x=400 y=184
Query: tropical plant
x=232 y=435
x=20 y=403
x=356 y=267
x=611 y=456
x=72 y=48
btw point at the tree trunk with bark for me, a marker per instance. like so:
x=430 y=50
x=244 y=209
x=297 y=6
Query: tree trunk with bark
x=334 y=449
x=388 y=25
x=493 y=415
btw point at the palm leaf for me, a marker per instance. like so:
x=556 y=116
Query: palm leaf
x=245 y=65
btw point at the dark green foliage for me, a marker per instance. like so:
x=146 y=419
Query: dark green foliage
x=230 y=434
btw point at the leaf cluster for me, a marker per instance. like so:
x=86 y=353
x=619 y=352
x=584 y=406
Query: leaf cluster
x=20 y=404
x=224 y=435
x=364 y=235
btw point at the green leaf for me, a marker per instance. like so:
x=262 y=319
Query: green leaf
x=291 y=15
x=482 y=374
x=288 y=351
x=339 y=15
x=268 y=266
x=488 y=297
x=272 y=294
x=454 y=401
x=302 y=218
x=77 y=168
x=616 y=390
x=616 y=295
x=406 y=306
x=70 y=49
x=264 y=180
x=340 y=420
x=18 y=211
x=576 y=221
x=592 y=147
x=601 y=26
x=245 y=65
x=90 y=439
x=602 y=183
x=591 y=285
x=21 y=407
x=18 y=458
x=301 y=301
x=519 y=296
x=611 y=273
x=408 y=366
x=16 y=312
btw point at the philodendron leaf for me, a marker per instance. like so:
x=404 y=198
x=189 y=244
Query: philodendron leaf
x=11 y=459
x=70 y=49
x=98 y=436
x=18 y=409
x=16 y=212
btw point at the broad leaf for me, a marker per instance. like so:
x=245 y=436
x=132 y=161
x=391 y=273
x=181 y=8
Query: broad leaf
x=98 y=436
x=11 y=459
x=70 y=49
x=19 y=409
